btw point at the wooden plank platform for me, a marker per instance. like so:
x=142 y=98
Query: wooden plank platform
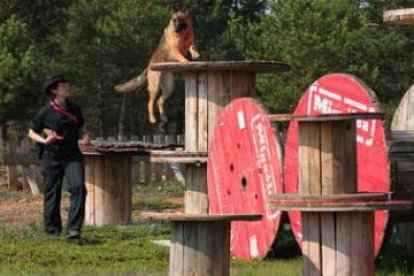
x=332 y=197
x=340 y=206
x=200 y=217
x=325 y=117
x=249 y=66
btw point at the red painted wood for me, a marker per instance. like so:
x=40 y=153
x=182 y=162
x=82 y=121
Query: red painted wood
x=341 y=93
x=244 y=169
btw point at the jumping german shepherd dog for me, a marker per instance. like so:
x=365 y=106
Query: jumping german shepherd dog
x=177 y=40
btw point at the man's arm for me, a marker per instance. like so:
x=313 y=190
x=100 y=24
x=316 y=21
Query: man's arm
x=52 y=136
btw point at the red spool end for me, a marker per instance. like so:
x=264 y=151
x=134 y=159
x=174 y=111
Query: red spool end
x=244 y=170
x=341 y=93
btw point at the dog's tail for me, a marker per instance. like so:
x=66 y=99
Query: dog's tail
x=133 y=84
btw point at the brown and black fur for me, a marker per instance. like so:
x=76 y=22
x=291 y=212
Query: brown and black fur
x=176 y=42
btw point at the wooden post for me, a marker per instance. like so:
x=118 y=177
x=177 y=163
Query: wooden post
x=209 y=87
x=108 y=184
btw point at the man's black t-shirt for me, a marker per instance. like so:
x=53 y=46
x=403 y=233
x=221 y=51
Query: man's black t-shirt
x=65 y=125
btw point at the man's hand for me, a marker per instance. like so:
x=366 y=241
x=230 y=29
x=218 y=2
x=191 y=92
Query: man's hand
x=86 y=140
x=53 y=136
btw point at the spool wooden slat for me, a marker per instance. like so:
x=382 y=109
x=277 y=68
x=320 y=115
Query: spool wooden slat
x=343 y=243
x=328 y=240
x=399 y=17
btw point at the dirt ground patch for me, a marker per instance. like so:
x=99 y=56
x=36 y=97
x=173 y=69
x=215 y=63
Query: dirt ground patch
x=23 y=208
x=20 y=207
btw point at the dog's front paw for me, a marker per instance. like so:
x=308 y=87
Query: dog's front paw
x=194 y=53
x=152 y=120
x=195 y=56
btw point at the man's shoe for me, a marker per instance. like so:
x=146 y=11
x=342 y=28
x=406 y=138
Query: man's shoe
x=53 y=233
x=73 y=235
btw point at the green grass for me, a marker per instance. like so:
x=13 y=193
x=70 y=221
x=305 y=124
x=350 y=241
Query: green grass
x=5 y=194
x=164 y=188
x=105 y=251
x=157 y=196
x=154 y=204
x=129 y=250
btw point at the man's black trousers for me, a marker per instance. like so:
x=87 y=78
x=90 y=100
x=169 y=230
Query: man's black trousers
x=54 y=171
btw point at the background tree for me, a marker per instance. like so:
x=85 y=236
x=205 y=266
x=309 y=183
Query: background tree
x=100 y=43
x=326 y=36
x=20 y=69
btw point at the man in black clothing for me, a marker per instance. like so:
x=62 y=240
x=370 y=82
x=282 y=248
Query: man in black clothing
x=61 y=122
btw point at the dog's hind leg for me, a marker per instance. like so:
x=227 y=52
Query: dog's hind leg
x=167 y=87
x=154 y=78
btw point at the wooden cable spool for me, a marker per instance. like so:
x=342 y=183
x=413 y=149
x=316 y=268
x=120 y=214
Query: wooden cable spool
x=209 y=87
x=337 y=222
x=200 y=243
x=402 y=163
x=402 y=147
x=336 y=94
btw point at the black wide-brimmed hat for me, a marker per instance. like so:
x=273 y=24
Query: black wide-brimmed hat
x=51 y=81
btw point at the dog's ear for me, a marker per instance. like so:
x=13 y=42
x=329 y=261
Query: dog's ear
x=187 y=11
x=175 y=8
